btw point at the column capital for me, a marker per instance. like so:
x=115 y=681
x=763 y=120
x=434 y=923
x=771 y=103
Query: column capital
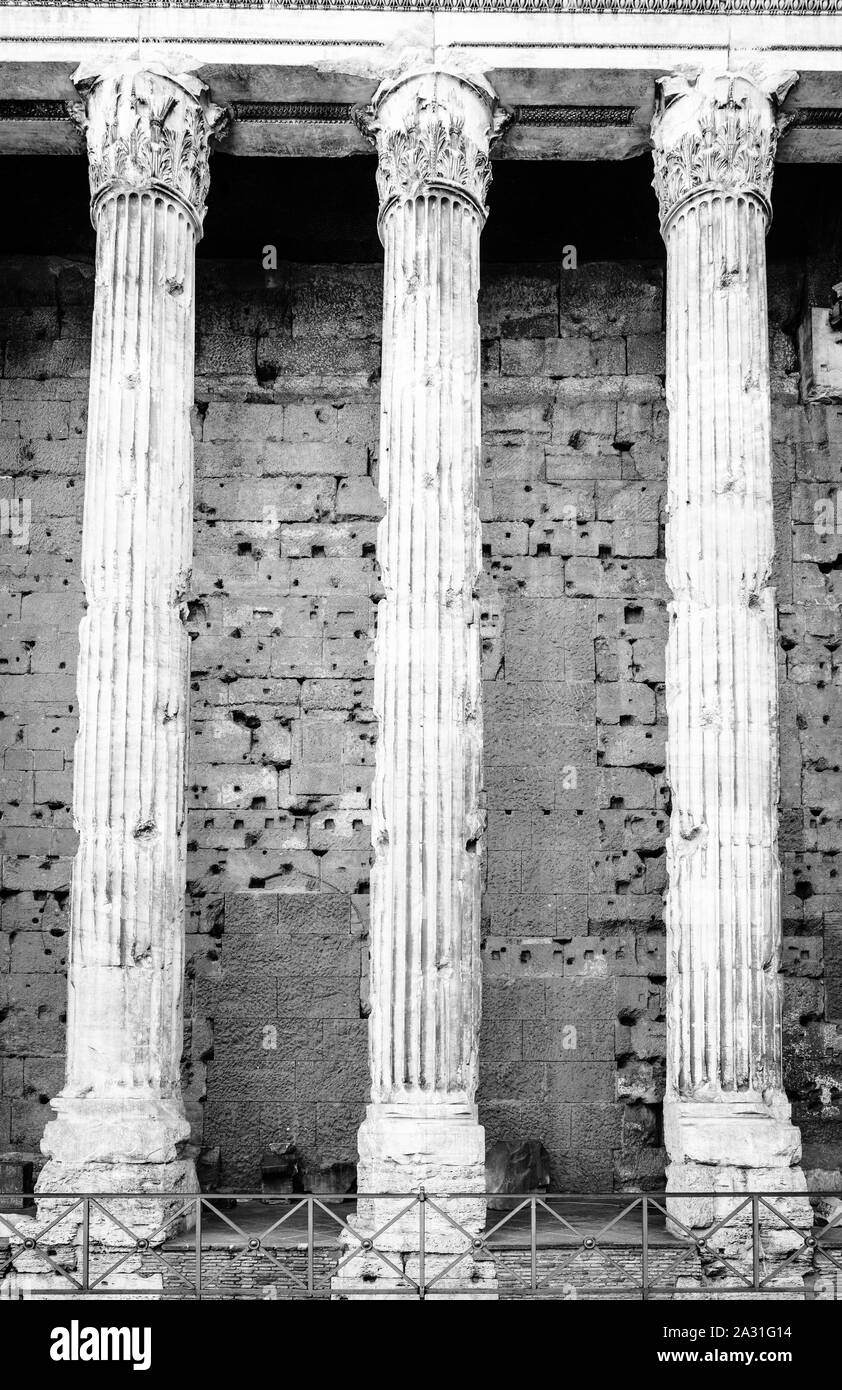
x=717 y=132
x=433 y=128
x=148 y=126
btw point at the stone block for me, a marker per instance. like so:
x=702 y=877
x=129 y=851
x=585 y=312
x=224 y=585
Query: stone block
x=519 y=302
x=32 y=1014
x=612 y=299
x=501 y=1039
x=581 y=1000
x=558 y=1041
x=331 y=998
x=514 y=999
x=581 y=1081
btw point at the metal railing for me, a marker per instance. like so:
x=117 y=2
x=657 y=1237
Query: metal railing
x=541 y=1246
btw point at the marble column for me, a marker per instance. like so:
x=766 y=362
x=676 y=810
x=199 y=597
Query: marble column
x=120 y=1118
x=727 y=1118
x=433 y=129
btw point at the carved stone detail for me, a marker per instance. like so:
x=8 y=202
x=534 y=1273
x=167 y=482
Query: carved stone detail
x=574 y=116
x=716 y=131
x=433 y=130
x=430 y=151
x=148 y=127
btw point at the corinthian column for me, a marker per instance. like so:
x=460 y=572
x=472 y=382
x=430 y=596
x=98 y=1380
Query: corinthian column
x=121 y=1122
x=727 y=1118
x=433 y=130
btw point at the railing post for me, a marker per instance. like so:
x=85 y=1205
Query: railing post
x=198 y=1230
x=310 y=1242
x=86 y=1240
x=422 y=1229
x=533 y=1241
x=755 y=1242
x=645 y=1248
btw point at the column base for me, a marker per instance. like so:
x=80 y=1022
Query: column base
x=403 y=1148
x=124 y=1229
x=95 y=1129
x=105 y=1145
x=733 y=1148
x=164 y=1212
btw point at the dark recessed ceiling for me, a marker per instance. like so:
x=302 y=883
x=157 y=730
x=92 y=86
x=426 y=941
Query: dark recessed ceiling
x=326 y=209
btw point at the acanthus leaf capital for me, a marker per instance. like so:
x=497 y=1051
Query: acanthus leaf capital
x=717 y=131
x=148 y=125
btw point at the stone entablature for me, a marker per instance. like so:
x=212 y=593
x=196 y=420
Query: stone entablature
x=579 y=81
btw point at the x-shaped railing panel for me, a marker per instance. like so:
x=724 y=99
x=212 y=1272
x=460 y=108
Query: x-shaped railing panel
x=140 y=1244
x=591 y=1242
x=367 y=1244
x=613 y=1240
x=30 y=1242
x=255 y=1244
x=702 y=1236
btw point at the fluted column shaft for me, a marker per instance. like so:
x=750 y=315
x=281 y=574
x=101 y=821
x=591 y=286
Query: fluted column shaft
x=724 y=870
x=147 y=134
x=427 y=812
x=433 y=130
x=714 y=142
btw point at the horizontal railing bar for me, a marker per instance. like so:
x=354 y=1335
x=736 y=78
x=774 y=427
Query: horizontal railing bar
x=584 y=1294
x=436 y=1196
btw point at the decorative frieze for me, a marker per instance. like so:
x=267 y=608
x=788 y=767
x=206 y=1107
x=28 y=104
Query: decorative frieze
x=573 y=116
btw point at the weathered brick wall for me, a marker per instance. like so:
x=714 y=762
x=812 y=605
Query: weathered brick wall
x=573 y=606
x=283 y=605
x=808 y=470
x=45 y=328
x=281 y=760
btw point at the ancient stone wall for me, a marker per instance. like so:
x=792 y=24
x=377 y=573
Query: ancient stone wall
x=282 y=609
